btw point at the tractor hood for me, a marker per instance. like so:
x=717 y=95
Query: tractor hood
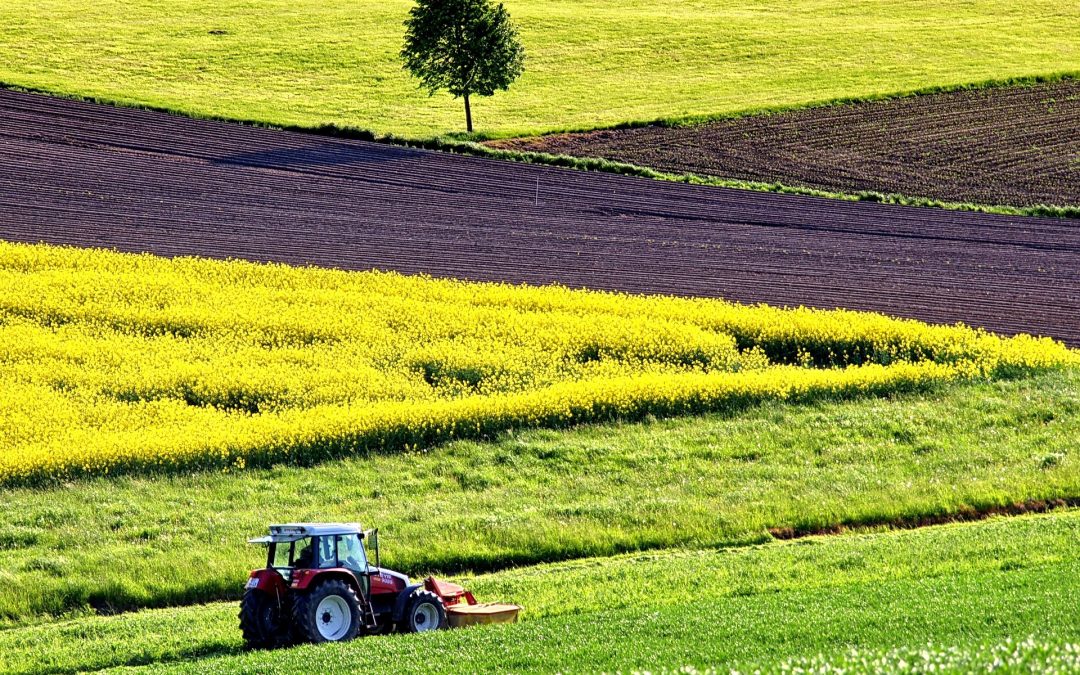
x=387 y=575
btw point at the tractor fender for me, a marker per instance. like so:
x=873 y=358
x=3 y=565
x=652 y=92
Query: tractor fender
x=402 y=599
x=269 y=581
x=305 y=579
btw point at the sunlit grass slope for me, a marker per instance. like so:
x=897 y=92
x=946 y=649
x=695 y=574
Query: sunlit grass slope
x=991 y=583
x=592 y=63
x=121 y=363
x=545 y=495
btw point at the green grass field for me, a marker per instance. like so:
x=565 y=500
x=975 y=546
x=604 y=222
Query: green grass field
x=541 y=496
x=591 y=64
x=759 y=606
x=633 y=546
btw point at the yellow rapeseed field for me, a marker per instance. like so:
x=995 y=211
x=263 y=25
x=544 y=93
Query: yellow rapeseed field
x=116 y=363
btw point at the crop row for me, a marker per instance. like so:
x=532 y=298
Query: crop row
x=116 y=363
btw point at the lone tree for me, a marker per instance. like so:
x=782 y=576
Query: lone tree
x=464 y=46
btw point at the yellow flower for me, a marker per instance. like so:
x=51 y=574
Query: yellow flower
x=113 y=363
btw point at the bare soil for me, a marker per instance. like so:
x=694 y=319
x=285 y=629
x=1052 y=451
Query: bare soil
x=87 y=175
x=1014 y=146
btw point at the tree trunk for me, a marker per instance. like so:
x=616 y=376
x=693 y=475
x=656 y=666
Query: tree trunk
x=468 y=114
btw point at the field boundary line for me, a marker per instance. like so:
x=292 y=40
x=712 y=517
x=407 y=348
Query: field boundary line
x=457 y=144
x=963 y=514
x=635 y=170
x=705 y=118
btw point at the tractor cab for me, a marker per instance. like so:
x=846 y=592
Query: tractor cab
x=301 y=552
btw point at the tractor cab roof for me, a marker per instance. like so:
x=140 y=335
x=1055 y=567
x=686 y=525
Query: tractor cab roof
x=296 y=531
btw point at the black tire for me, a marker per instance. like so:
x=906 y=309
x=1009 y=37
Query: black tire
x=316 y=626
x=263 y=621
x=424 y=611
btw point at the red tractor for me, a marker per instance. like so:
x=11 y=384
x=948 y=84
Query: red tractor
x=319 y=586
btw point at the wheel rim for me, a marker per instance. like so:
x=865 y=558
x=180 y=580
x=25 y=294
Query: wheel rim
x=333 y=618
x=426 y=617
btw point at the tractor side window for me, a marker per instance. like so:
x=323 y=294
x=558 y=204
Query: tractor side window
x=350 y=552
x=305 y=554
x=283 y=554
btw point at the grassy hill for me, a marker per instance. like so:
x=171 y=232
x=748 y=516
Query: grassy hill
x=134 y=383
x=590 y=63
x=632 y=545
x=110 y=356
x=543 y=495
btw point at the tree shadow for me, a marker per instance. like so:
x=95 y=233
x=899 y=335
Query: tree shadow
x=322 y=155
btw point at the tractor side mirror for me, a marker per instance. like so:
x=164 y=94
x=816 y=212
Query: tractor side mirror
x=373 y=537
x=375 y=533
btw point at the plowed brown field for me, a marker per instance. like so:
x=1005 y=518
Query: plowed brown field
x=1017 y=146
x=76 y=173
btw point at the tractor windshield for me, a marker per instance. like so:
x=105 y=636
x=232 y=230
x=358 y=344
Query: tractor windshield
x=350 y=552
x=341 y=550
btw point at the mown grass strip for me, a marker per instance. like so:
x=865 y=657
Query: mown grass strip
x=536 y=496
x=961 y=584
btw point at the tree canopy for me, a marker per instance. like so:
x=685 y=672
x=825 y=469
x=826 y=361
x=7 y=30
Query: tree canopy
x=463 y=46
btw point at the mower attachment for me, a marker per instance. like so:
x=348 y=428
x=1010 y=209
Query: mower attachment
x=462 y=609
x=451 y=594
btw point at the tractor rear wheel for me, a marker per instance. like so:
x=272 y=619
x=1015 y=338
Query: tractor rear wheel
x=330 y=612
x=263 y=620
x=424 y=611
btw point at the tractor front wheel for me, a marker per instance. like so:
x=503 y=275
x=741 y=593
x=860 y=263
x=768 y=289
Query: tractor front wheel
x=424 y=611
x=263 y=620
x=330 y=612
